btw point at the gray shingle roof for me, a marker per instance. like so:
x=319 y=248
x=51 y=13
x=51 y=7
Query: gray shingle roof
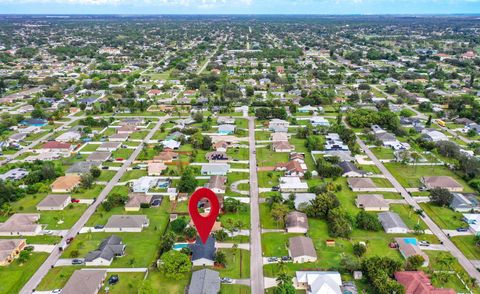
x=204 y=282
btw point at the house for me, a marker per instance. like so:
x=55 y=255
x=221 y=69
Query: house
x=278 y=125
x=444 y=182
x=319 y=121
x=282 y=146
x=372 y=202
x=17 y=137
x=225 y=120
x=215 y=169
x=301 y=249
x=65 y=184
x=118 y=137
x=308 y=108
x=204 y=281
x=217 y=184
x=418 y=283
x=350 y=170
x=292 y=168
x=408 y=247
x=143 y=184
x=318 y=282
x=296 y=222
x=54 y=202
x=434 y=135
x=21 y=224
x=132 y=122
x=203 y=254
x=334 y=143
x=126 y=129
x=156 y=168
x=68 y=137
x=300 y=199
x=126 y=223
x=109 y=248
x=14 y=174
x=217 y=156
x=279 y=137
x=85 y=282
x=361 y=184
x=35 y=122
x=464 y=202
x=473 y=221
x=292 y=184
x=109 y=146
x=57 y=147
x=166 y=156
x=221 y=146
x=81 y=167
x=226 y=129
x=10 y=249
x=99 y=156
x=171 y=144
x=392 y=223
x=135 y=201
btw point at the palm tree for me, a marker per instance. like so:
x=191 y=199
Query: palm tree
x=415 y=156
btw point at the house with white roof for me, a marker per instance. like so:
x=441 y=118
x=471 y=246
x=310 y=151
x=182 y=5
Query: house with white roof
x=318 y=282
x=319 y=121
x=292 y=184
x=473 y=221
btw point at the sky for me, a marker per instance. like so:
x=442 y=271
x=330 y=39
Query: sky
x=239 y=7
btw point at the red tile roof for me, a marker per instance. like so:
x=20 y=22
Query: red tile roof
x=55 y=145
x=419 y=283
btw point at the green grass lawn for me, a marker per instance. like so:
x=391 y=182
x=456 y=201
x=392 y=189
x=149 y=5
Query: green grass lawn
x=128 y=283
x=15 y=275
x=383 y=153
x=244 y=217
x=262 y=135
x=267 y=157
x=268 y=179
x=133 y=174
x=237 y=176
x=238 y=264
x=89 y=147
x=466 y=244
x=266 y=218
x=122 y=153
x=444 y=217
x=41 y=239
x=88 y=193
x=106 y=175
x=234 y=289
x=409 y=176
x=238 y=153
x=139 y=135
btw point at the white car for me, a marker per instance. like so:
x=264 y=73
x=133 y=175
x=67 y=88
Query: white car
x=56 y=291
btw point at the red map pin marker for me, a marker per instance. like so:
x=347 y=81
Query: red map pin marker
x=203 y=224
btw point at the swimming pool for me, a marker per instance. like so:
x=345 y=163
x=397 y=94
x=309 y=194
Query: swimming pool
x=179 y=246
x=412 y=241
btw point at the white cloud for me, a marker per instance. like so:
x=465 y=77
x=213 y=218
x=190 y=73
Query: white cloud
x=185 y=3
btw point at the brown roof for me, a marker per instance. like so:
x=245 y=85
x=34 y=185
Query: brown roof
x=441 y=182
x=66 y=182
x=136 y=199
x=371 y=200
x=56 y=145
x=217 y=182
x=8 y=245
x=99 y=156
x=21 y=222
x=419 y=283
x=301 y=246
x=291 y=166
x=361 y=183
x=296 y=219
x=84 y=282
x=281 y=145
x=220 y=144
x=53 y=200
x=165 y=156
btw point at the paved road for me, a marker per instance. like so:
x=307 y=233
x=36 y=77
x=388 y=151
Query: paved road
x=466 y=264
x=34 y=143
x=256 y=268
x=55 y=255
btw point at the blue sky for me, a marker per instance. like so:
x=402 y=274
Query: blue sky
x=240 y=6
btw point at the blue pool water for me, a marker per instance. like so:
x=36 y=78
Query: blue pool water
x=179 y=246
x=412 y=241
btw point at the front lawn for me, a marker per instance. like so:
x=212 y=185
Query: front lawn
x=14 y=276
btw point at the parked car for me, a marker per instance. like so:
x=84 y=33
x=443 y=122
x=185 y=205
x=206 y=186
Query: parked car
x=275 y=188
x=56 y=291
x=105 y=167
x=272 y=259
x=136 y=167
x=119 y=159
x=156 y=202
x=98 y=227
x=226 y=280
x=69 y=240
x=77 y=261
x=424 y=243
x=286 y=258
x=113 y=280
x=74 y=200
x=462 y=230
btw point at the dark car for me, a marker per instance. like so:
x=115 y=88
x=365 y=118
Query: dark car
x=98 y=227
x=113 y=280
x=156 y=202
x=105 y=167
x=462 y=230
x=286 y=258
x=275 y=188
x=77 y=261
x=69 y=240
x=75 y=200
